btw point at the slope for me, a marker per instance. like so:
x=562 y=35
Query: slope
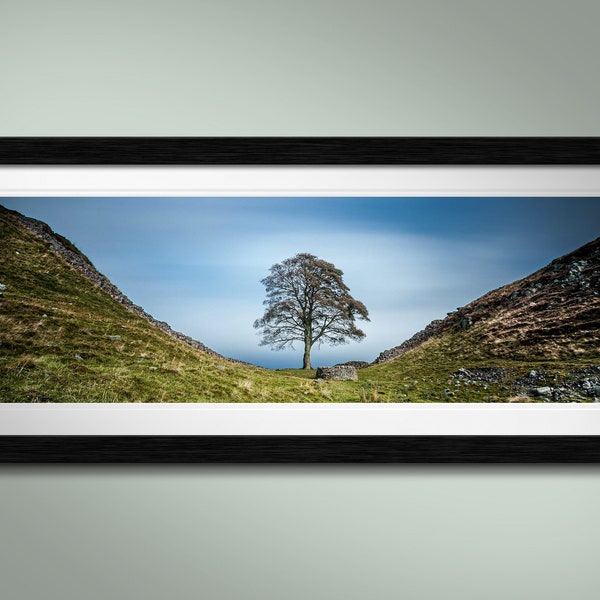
x=536 y=337
x=68 y=335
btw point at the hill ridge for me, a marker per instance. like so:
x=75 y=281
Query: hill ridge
x=76 y=259
x=569 y=285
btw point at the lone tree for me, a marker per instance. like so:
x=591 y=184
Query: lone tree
x=307 y=301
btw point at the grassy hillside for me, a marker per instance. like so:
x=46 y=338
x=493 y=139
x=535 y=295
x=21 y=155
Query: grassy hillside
x=449 y=368
x=65 y=339
x=537 y=338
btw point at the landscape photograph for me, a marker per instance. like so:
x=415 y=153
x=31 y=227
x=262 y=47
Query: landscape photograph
x=300 y=299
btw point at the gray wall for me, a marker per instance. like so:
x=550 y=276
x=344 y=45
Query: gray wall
x=299 y=68
x=290 y=67
x=298 y=533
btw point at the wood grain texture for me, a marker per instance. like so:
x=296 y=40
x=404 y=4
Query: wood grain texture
x=300 y=449
x=299 y=151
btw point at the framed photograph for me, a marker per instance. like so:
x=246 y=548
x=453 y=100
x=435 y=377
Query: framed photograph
x=300 y=300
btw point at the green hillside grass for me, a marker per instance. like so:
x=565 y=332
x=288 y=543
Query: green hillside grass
x=425 y=374
x=63 y=339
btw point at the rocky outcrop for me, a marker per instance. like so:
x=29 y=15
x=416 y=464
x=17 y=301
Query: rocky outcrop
x=337 y=373
x=81 y=263
x=415 y=341
x=547 y=314
x=577 y=385
x=357 y=364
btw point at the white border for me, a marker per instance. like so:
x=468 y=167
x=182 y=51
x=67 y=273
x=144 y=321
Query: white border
x=300 y=419
x=300 y=181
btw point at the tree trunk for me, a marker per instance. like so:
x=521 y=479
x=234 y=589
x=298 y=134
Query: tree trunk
x=306 y=359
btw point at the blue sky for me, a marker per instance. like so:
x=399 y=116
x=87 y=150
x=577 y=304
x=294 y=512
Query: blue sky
x=197 y=263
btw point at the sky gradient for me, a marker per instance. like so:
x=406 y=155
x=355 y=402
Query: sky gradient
x=196 y=263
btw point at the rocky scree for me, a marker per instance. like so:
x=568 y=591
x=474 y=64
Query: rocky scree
x=578 y=385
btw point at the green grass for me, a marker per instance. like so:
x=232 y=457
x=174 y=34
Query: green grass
x=62 y=339
x=423 y=375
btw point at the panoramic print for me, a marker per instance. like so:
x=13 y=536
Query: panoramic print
x=299 y=299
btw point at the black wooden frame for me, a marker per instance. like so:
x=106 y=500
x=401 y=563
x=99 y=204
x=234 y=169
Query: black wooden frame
x=299 y=151
x=249 y=449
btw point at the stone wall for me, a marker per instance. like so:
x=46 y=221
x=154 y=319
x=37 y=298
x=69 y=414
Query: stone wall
x=411 y=343
x=338 y=373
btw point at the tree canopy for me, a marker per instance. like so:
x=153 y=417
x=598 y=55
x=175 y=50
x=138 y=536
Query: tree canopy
x=307 y=301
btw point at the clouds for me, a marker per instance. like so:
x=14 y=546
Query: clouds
x=197 y=262
x=405 y=281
